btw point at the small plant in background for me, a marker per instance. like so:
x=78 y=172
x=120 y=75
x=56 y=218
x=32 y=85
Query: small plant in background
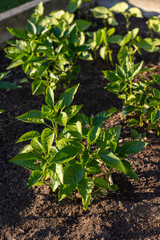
x=140 y=96
x=153 y=25
x=64 y=156
x=127 y=12
x=101 y=39
x=105 y=14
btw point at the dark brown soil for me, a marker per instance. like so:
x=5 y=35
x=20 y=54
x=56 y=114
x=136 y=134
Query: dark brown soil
x=133 y=212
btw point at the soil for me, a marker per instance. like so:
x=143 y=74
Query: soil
x=133 y=212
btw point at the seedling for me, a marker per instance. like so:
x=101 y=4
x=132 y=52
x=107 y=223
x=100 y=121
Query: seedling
x=105 y=14
x=153 y=25
x=127 y=12
x=101 y=39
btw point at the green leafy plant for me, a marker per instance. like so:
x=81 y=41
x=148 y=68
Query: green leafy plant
x=153 y=25
x=127 y=12
x=140 y=96
x=49 y=48
x=101 y=39
x=105 y=14
x=132 y=43
x=64 y=156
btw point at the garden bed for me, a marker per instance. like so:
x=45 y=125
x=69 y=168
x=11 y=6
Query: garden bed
x=133 y=212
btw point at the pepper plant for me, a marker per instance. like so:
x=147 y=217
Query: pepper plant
x=127 y=12
x=140 y=96
x=48 y=49
x=105 y=14
x=101 y=39
x=64 y=156
x=153 y=25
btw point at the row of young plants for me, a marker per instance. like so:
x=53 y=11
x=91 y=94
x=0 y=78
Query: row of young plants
x=50 y=46
x=69 y=152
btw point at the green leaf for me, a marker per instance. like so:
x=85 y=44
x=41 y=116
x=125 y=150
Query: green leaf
x=8 y=85
x=82 y=25
x=26 y=149
x=156 y=93
x=2 y=110
x=63 y=142
x=36 y=86
x=31 y=28
x=123 y=54
x=4 y=74
x=136 y=69
x=34 y=178
x=93 y=166
x=132 y=122
x=73 y=173
x=127 y=110
x=129 y=170
x=41 y=70
x=62 y=119
x=154 y=23
x=56 y=173
x=50 y=98
x=66 y=154
x=18 y=33
x=67 y=97
x=70 y=112
x=57 y=31
x=86 y=56
x=54 y=182
x=58 y=169
x=101 y=182
x=15 y=63
x=103 y=116
x=47 y=138
x=119 y=7
x=103 y=52
x=39 y=9
x=100 y=12
x=113 y=187
x=156 y=78
x=155 y=115
x=84 y=158
x=33 y=116
x=132 y=147
x=85 y=187
x=66 y=190
x=135 y=12
x=36 y=144
x=148 y=44
x=93 y=133
x=112 y=161
x=120 y=72
x=115 y=39
x=107 y=136
x=28 y=136
x=26 y=160
x=73 y=5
